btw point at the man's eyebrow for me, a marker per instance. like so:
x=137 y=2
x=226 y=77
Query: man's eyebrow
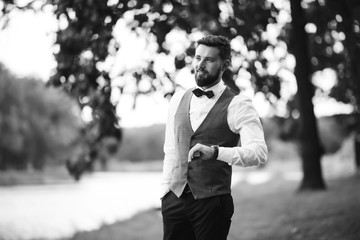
x=206 y=57
x=210 y=58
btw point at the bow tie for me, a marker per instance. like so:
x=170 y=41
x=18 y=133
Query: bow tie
x=198 y=93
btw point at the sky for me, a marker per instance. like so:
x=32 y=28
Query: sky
x=26 y=48
x=26 y=44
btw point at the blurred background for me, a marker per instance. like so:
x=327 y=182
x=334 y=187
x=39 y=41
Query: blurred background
x=84 y=91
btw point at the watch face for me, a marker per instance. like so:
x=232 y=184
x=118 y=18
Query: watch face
x=197 y=154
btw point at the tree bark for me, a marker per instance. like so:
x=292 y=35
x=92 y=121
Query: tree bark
x=310 y=147
x=348 y=12
x=357 y=144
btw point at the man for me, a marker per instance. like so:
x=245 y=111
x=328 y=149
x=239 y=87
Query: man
x=201 y=145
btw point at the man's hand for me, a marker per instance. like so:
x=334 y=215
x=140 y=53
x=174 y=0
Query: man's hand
x=201 y=152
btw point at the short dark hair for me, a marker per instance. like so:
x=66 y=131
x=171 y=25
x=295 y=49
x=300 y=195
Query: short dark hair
x=220 y=42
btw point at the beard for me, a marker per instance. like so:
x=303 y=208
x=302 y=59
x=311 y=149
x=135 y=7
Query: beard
x=203 y=78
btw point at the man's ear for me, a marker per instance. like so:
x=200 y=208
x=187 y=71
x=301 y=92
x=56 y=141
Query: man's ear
x=225 y=65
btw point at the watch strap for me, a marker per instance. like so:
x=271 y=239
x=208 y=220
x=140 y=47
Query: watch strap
x=216 y=151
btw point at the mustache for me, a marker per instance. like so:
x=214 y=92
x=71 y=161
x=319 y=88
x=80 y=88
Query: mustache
x=200 y=70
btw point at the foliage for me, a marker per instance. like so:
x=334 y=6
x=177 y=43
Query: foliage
x=334 y=34
x=344 y=19
x=143 y=144
x=86 y=47
x=243 y=22
x=84 y=39
x=86 y=43
x=333 y=29
x=83 y=44
x=33 y=125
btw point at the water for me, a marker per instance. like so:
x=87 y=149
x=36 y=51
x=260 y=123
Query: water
x=54 y=211
x=58 y=211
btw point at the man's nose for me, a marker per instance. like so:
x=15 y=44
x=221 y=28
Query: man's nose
x=201 y=64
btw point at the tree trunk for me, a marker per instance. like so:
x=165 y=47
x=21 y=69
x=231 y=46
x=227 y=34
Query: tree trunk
x=357 y=143
x=348 y=10
x=310 y=148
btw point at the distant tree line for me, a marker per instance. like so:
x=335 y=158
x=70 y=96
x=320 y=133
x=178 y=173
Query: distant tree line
x=37 y=123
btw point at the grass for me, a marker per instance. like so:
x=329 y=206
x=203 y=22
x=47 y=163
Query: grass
x=273 y=210
x=276 y=211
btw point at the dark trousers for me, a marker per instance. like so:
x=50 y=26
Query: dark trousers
x=185 y=218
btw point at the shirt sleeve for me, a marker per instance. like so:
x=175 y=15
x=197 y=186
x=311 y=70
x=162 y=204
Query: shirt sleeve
x=244 y=120
x=169 y=144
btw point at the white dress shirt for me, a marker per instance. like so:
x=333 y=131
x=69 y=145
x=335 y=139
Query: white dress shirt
x=242 y=119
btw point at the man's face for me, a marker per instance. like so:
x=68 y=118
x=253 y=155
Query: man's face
x=207 y=65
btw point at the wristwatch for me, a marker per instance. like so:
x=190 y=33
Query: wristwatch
x=216 y=151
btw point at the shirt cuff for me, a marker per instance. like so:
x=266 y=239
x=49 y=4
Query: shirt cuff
x=230 y=156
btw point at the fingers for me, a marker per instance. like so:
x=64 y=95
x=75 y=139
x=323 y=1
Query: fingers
x=194 y=152
x=200 y=151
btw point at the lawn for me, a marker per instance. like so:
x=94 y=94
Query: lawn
x=273 y=210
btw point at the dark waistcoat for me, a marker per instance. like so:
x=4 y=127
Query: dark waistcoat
x=206 y=178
